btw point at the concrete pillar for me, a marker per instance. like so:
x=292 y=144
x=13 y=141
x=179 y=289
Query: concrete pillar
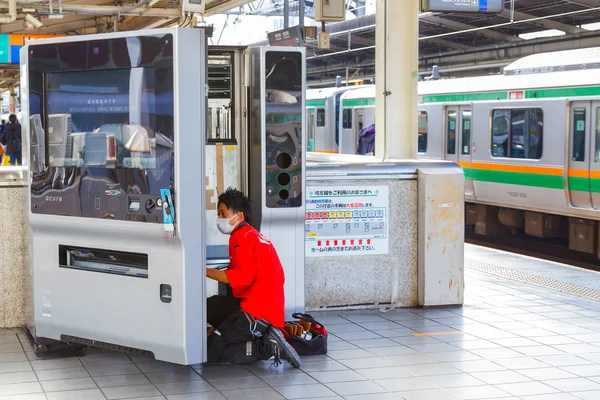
x=397 y=55
x=12 y=104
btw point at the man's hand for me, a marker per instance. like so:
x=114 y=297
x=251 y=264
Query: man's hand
x=217 y=275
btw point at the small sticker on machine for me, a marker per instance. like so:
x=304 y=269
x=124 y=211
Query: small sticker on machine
x=445 y=205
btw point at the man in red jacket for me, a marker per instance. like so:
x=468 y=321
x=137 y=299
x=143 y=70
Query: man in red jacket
x=245 y=326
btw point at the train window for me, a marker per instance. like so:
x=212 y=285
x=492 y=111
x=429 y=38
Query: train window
x=466 y=132
x=597 y=157
x=517 y=133
x=320 y=117
x=579 y=129
x=347 y=119
x=451 y=139
x=422 y=132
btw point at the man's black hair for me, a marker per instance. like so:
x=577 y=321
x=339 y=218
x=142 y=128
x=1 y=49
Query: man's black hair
x=3 y=121
x=236 y=201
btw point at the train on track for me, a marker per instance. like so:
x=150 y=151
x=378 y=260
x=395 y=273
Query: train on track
x=528 y=141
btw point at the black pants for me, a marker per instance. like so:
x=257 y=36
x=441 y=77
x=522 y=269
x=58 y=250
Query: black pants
x=236 y=343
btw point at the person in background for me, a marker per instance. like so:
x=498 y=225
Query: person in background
x=366 y=141
x=11 y=139
x=2 y=126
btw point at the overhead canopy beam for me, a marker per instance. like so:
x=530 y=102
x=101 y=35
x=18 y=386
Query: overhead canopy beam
x=446 y=43
x=459 y=26
x=546 y=23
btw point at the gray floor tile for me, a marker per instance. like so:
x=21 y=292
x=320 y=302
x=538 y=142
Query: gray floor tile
x=17 y=377
x=587 y=395
x=385 y=373
x=107 y=370
x=12 y=357
x=581 y=348
x=407 y=384
x=454 y=356
x=433 y=347
x=253 y=394
x=571 y=384
x=553 y=340
x=289 y=379
x=372 y=343
x=527 y=388
x=408 y=340
x=477 y=366
x=197 y=396
x=33 y=396
x=361 y=335
x=432 y=369
x=456 y=380
x=553 y=396
x=477 y=345
x=373 y=362
x=67 y=373
x=392 y=351
x=584 y=370
x=354 y=388
x=435 y=394
x=190 y=387
x=329 y=365
x=20 y=388
x=341 y=346
x=61 y=385
x=159 y=366
x=411 y=359
x=173 y=376
x=10 y=347
x=93 y=394
x=338 y=376
x=349 y=354
x=121 y=380
x=497 y=353
x=396 y=333
x=17 y=366
x=537 y=351
x=305 y=391
x=128 y=392
x=520 y=363
x=478 y=392
x=98 y=360
x=347 y=327
x=42 y=365
x=564 y=360
x=238 y=383
x=500 y=377
x=374 y=396
x=267 y=369
x=541 y=374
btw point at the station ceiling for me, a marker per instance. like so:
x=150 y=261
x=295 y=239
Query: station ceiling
x=460 y=44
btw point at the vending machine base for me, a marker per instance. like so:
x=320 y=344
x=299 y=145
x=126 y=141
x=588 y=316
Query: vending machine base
x=47 y=348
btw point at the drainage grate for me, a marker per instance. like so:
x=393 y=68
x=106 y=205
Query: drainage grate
x=537 y=280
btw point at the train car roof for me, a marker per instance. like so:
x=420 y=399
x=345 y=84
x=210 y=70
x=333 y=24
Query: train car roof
x=361 y=92
x=323 y=93
x=574 y=59
x=589 y=77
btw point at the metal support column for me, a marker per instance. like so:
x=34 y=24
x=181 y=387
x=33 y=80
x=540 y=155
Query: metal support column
x=396 y=55
x=286 y=14
x=301 y=13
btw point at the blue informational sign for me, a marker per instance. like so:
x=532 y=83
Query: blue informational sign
x=457 y=6
x=168 y=210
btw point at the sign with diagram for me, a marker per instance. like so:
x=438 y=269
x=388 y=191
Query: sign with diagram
x=346 y=221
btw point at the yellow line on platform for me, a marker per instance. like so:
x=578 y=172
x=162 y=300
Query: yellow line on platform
x=437 y=333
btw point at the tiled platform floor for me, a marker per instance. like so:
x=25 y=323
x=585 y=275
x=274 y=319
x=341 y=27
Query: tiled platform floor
x=509 y=341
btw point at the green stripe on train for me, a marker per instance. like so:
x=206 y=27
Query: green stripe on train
x=465 y=97
x=315 y=103
x=563 y=92
x=517 y=178
x=358 y=102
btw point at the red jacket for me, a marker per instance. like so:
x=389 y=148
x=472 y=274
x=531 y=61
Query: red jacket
x=256 y=275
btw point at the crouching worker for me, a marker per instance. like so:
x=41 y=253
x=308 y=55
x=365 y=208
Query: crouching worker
x=245 y=326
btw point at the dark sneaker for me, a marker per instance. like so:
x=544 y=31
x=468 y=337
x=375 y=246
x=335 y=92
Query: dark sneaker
x=276 y=345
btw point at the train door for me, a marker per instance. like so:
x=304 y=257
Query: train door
x=311 y=129
x=359 y=118
x=458 y=128
x=595 y=154
x=578 y=174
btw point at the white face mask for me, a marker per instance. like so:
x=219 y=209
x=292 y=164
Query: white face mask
x=224 y=225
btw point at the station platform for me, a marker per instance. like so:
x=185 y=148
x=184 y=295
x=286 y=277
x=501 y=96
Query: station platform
x=515 y=338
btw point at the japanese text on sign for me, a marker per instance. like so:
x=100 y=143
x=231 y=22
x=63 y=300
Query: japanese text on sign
x=346 y=221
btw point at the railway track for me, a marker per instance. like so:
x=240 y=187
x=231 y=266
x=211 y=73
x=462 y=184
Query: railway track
x=556 y=250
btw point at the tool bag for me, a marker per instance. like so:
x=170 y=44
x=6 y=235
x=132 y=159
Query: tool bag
x=307 y=336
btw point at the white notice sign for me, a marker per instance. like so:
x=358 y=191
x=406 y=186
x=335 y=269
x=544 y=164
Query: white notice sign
x=346 y=221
